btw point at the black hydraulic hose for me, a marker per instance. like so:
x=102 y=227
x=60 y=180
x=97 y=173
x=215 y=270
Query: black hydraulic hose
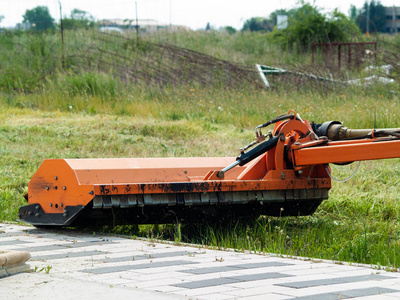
x=263 y=147
x=248 y=156
x=277 y=119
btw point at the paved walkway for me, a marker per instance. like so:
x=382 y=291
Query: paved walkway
x=82 y=266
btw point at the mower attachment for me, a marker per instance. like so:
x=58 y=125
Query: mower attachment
x=284 y=173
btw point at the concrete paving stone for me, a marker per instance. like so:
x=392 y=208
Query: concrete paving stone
x=283 y=269
x=208 y=263
x=4 y=237
x=150 y=255
x=149 y=265
x=367 y=292
x=242 y=266
x=330 y=281
x=364 y=284
x=264 y=264
x=204 y=292
x=258 y=290
x=219 y=260
x=38 y=241
x=344 y=268
x=167 y=289
x=172 y=281
x=347 y=294
x=206 y=283
x=156 y=271
x=13 y=248
x=312 y=277
x=261 y=276
x=104 y=278
x=83 y=254
x=44 y=286
x=306 y=270
x=268 y=296
x=381 y=297
x=146 y=277
x=239 y=272
x=363 y=271
x=395 y=283
x=176 y=268
x=209 y=270
x=199 y=277
x=257 y=283
x=126 y=250
x=11 y=242
x=393 y=295
x=215 y=296
x=114 y=281
x=315 y=289
x=58 y=246
x=335 y=288
x=232 y=279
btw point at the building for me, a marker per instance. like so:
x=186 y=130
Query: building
x=148 y=26
x=392 y=15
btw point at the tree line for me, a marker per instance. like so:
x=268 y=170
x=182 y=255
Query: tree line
x=39 y=19
x=305 y=24
x=371 y=16
x=372 y=13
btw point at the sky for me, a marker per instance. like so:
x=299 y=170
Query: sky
x=192 y=13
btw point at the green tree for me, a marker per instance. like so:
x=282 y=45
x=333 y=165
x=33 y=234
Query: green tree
x=257 y=24
x=376 y=20
x=274 y=15
x=39 y=18
x=229 y=29
x=79 y=19
x=353 y=12
x=307 y=25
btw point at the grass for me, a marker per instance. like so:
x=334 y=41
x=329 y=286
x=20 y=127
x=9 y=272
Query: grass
x=83 y=113
x=359 y=223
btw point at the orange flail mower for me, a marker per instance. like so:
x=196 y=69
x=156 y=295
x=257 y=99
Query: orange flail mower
x=282 y=173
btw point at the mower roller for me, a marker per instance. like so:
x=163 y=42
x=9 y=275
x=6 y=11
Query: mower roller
x=282 y=173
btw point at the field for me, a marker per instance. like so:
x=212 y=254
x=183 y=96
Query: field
x=84 y=110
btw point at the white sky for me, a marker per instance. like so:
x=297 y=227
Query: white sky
x=192 y=13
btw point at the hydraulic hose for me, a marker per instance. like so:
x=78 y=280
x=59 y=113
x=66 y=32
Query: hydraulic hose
x=263 y=147
x=248 y=156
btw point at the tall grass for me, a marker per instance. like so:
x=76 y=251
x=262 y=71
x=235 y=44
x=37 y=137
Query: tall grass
x=33 y=61
x=356 y=107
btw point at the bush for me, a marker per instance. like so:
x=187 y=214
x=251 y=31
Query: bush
x=307 y=25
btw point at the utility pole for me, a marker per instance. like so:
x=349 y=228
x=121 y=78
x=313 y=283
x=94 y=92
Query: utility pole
x=137 y=26
x=62 y=38
x=367 y=25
